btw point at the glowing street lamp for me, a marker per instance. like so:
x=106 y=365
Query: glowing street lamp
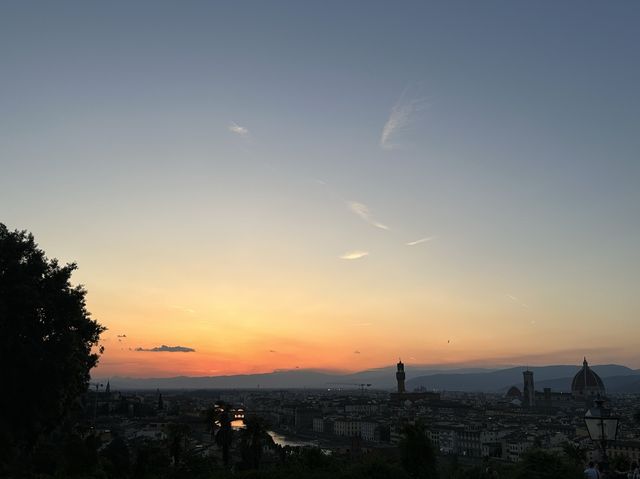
x=602 y=427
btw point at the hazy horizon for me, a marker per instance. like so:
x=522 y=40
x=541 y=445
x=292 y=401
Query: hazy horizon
x=408 y=367
x=276 y=185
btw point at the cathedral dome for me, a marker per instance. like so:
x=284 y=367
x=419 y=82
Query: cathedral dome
x=586 y=383
x=514 y=392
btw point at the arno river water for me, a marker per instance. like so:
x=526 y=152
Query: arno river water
x=277 y=438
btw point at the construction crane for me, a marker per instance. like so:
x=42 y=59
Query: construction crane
x=362 y=386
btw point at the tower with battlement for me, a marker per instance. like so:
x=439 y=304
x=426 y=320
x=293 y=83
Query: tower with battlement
x=400 y=377
x=529 y=393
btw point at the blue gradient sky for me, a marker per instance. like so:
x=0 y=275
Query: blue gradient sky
x=515 y=153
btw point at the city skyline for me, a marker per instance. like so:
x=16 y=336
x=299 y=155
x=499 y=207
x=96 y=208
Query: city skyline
x=330 y=186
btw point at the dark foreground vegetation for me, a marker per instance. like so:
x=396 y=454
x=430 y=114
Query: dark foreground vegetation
x=78 y=457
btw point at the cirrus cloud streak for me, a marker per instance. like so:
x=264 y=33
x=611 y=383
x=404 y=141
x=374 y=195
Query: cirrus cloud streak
x=420 y=241
x=400 y=119
x=363 y=212
x=350 y=255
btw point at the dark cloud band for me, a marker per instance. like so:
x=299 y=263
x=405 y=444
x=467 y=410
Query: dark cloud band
x=168 y=349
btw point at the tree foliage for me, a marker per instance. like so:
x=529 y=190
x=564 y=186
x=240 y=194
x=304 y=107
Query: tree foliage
x=620 y=463
x=177 y=437
x=47 y=341
x=417 y=453
x=574 y=453
x=540 y=464
x=224 y=436
x=253 y=438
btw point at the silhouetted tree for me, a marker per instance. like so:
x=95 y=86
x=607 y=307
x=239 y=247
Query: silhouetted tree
x=453 y=469
x=117 y=458
x=373 y=468
x=539 y=464
x=177 y=436
x=309 y=459
x=417 y=453
x=620 y=463
x=210 y=417
x=195 y=466
x=61 y=454
x=46 y=343
x=574 y=453
x=224 y=436
x=253 y=438
x=151 y=459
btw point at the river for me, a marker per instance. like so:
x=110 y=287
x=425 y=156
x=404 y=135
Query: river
x=279 y=439
x=287 y=441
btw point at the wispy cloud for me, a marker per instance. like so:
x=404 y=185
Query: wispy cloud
x=167 y=349
x=400 y=119
x=515 y=299
x=363 y=212
x=354 y=255
x=420 y=241
x=237 y=129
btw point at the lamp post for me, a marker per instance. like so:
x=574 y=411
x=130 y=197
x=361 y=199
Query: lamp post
x=602 y=427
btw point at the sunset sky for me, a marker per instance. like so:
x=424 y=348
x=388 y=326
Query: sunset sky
x=332 y=184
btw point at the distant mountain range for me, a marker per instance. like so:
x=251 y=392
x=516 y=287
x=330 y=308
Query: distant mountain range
x=616 y=378
x=382 y=378
x=558 y=377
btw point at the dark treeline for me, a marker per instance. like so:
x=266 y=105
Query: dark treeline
x=75 y=455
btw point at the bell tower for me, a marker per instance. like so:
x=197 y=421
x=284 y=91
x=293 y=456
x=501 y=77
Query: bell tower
x=400 y=377
x=529 y=392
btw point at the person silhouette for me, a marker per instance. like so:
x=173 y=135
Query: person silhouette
x=591 y=472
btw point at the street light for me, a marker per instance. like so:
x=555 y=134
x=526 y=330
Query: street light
x=602 y=427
